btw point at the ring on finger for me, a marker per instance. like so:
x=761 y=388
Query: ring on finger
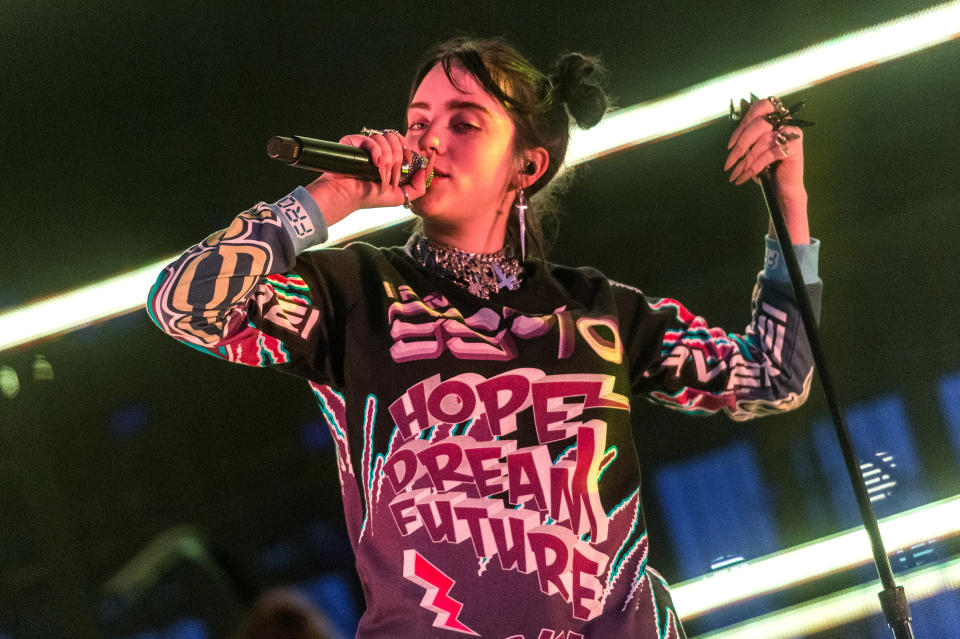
x=406 y=198
x=781 y=141
x=403 y=142
x=779 y=113
x=368 y=132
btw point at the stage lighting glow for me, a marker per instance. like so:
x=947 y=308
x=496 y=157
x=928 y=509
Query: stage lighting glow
x=841 y=608
x=623 y=129
x=77 y=308
x=782 y=76
x=9 y=382
x=124 y=293
x=815 y=559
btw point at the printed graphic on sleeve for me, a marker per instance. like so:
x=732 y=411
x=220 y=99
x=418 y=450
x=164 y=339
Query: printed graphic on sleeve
x=209 y=297
x=738 y=374
x=299 y=220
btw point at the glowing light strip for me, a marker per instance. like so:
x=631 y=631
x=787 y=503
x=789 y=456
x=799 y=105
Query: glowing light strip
x=78 y=308
x=124 y=293
x=842 y=608
x=815 y=559
x=781 y=76
x=629 y=127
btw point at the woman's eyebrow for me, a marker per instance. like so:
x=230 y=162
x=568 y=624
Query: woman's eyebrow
x=453 y=105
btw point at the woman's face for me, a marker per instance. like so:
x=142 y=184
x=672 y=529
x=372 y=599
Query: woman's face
x=469 y=139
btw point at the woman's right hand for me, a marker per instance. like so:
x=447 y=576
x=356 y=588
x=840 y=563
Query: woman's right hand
x=340 y=195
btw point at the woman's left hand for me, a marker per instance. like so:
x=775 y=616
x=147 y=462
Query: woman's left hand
x=754 y=146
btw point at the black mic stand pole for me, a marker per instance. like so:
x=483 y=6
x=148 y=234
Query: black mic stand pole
x=893 y=600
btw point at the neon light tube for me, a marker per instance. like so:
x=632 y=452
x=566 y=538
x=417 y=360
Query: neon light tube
x=626 y=128
x=787 y=74
x=815 y=559
x=841 y=608
x=128 y=292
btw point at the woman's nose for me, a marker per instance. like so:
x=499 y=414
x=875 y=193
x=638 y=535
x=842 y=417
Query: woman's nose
x=430 y=141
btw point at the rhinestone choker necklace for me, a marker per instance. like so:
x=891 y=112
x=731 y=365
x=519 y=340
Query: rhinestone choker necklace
x=482 y=274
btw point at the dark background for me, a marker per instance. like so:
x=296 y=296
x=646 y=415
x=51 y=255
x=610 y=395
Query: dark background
x=130 y=131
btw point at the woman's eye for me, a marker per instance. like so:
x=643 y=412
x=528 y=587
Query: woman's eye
x=466 y=126
x=416 y=126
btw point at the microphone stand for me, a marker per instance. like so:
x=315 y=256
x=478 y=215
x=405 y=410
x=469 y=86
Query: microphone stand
x=893 y=600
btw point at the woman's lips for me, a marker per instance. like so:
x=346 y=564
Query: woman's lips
x=434 y=176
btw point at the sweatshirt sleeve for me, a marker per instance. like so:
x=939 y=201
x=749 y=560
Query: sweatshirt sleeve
x=678 y=360
x=239 y=295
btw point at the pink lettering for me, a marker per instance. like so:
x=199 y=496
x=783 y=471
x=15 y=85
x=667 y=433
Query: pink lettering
x=574 y=494
x=528 y=327
x=504 y=396
x=509 y=528
x=436 y=512
x=489 y=481
x=466 y=343
x=586 y=589
x=445 y=462
x=551 y=550
x=406 y=349
x=402 y=467
x=452 y=401
x=475 y=512
x=403 y=508
x=409 y=411
x=551 y=414
x=528 y=476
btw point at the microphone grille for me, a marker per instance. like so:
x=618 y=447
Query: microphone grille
x=283 y=148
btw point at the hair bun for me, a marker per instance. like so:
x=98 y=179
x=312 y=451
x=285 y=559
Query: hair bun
x=575 y=85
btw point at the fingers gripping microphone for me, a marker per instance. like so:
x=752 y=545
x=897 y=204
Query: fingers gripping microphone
x=320 y=155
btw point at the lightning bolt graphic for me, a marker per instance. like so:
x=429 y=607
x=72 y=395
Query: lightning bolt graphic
x=437 y=585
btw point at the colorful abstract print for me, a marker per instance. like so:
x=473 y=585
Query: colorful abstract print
x=467 y=464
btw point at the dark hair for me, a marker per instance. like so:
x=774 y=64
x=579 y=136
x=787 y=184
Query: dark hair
x=541 y=107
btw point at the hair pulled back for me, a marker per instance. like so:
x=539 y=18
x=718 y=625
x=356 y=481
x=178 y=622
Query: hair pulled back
x=542 y=107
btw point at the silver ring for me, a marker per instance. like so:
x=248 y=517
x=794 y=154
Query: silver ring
x=403 y=142
x=406 y=199
x=778 y=116
x=781 y=141
x=368 y=132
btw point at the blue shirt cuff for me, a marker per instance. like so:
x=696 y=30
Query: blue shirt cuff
x=302 y=219
x=808 y=255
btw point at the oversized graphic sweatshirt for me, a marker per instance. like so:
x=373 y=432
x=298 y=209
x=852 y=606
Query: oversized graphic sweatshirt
x=484 y=447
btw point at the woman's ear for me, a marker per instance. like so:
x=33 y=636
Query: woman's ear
x=534 y=163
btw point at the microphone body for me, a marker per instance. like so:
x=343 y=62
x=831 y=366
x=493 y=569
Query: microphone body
x=321 y=155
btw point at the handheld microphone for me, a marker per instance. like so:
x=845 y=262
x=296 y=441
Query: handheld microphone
x=320 y=155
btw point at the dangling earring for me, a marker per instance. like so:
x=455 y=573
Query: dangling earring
x=520 y=204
